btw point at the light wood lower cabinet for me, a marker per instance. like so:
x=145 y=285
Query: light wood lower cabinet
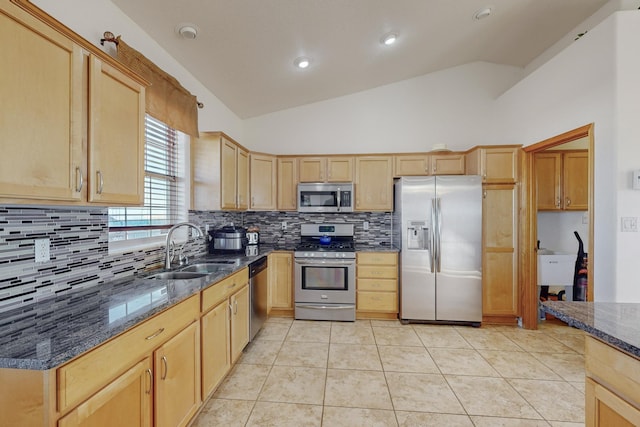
x=126 y=401
x=612 y=386
x=281 y=283
x=377 y=285
x=216 y=358
x=239 y=308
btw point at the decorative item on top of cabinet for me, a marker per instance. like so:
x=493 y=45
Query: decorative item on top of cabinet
x=280 y=284
x=43 y=155
x=499 y=253
x=219 y=173
x=263 y=188
x=287 y=184
x=420 y=164
x=325 y=169
x=377 y=285
x=562 y=178
x=374 y=183
x=496 y=164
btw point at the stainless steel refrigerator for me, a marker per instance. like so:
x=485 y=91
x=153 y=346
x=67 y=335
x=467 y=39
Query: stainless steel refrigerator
x=437 y=224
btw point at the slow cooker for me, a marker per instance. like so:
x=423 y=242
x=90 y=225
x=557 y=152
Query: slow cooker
x=228 y=238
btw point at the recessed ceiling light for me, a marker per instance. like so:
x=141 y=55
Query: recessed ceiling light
x=302 y=62
x=389 y=39
x=482 y=13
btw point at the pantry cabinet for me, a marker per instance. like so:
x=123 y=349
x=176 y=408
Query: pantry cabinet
x=263 y=188
x=495 y=164
x=429 y=164
x=374 y=183
x=287 y=182
x=562 y=180
x=377 y=285
x=219 y=173
x=280 y=283
x=325 y=169
x=64 y=142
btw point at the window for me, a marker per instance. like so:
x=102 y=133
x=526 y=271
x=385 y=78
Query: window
x=163 y=190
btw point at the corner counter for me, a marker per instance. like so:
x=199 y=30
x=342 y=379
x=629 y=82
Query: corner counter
x=612 y=359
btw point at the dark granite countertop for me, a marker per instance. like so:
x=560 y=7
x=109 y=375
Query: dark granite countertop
x=48 y=333
x=375 y=247
x=615 y=323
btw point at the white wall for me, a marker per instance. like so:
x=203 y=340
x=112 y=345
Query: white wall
x=91 y=18
x=555 y=231
x=454 y=106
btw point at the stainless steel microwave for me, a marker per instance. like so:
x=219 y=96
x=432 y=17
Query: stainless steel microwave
x=321 y=197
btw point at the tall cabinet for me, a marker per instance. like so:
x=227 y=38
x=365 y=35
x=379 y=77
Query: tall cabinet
x=498 y=167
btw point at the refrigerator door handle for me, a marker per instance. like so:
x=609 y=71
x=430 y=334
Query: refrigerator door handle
x=434 y=231
x=439 y=235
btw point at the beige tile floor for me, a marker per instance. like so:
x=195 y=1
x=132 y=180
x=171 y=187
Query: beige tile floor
x=383 y=373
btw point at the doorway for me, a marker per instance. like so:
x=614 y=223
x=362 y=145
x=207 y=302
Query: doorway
x=529 y=294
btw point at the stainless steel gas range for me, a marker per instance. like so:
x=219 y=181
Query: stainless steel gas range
x=325 y=273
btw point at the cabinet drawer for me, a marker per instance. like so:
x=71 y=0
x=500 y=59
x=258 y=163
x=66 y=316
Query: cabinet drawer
x=223 y=289
x=388 y=258
x=93 y=370
x=377 y=271
x=377 y=301
x=388 y=285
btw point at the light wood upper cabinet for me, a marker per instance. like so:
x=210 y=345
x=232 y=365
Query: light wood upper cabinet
x=48 y=114
x=562 y=179
x=499 y=255
x=374 y=183
x=116 y=136
x=429 y=164
x=325 y=169
x=495 y=164
x=281 y=282
x=219 y=173
x=263 y=182
x=287 y=184
x=177 y=378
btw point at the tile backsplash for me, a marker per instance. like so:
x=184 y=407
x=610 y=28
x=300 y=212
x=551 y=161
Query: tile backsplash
x=79 y=246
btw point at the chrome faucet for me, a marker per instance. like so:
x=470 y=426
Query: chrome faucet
x=167 y=254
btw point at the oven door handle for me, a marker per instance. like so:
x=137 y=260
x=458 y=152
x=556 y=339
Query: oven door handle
x=327 y=307
x=326 y=262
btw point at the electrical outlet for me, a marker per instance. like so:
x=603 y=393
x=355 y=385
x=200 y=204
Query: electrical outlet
x=629 y=223
x=42 y=250
x=283 y=225
x=365 y=225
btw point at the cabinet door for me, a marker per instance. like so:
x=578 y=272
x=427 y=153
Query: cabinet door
x=281 y=280
x=216 y=360
x=228 y=175
x=340 y=169
x=312 y=169
x=263 y=182
x=605 y=409
x=126 y=401
x=411 y=165
x=499 y=270
x=177 y=378
x=242 y=178
x=239 y=307
x=499 y=164
x=548 y=173
x=575 y=180
x=42 y=113
x=374 y=183
x=287 y=184
x=447 y=164
x=116 y=136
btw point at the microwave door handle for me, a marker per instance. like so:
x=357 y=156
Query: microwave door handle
x=339 y=201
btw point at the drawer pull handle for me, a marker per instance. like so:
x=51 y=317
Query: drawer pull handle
x=150 y=374
x=166 y=367
x=155 y=334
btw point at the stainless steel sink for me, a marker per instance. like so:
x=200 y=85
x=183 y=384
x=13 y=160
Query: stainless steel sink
x=206 y=268
x=178 y=275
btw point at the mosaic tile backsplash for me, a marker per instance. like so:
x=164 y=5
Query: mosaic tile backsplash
x=79 y=248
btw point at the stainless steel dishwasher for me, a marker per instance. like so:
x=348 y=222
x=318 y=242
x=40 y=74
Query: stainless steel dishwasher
x=258 y=293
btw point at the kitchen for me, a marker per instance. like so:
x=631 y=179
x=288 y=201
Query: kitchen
x=519 y=131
